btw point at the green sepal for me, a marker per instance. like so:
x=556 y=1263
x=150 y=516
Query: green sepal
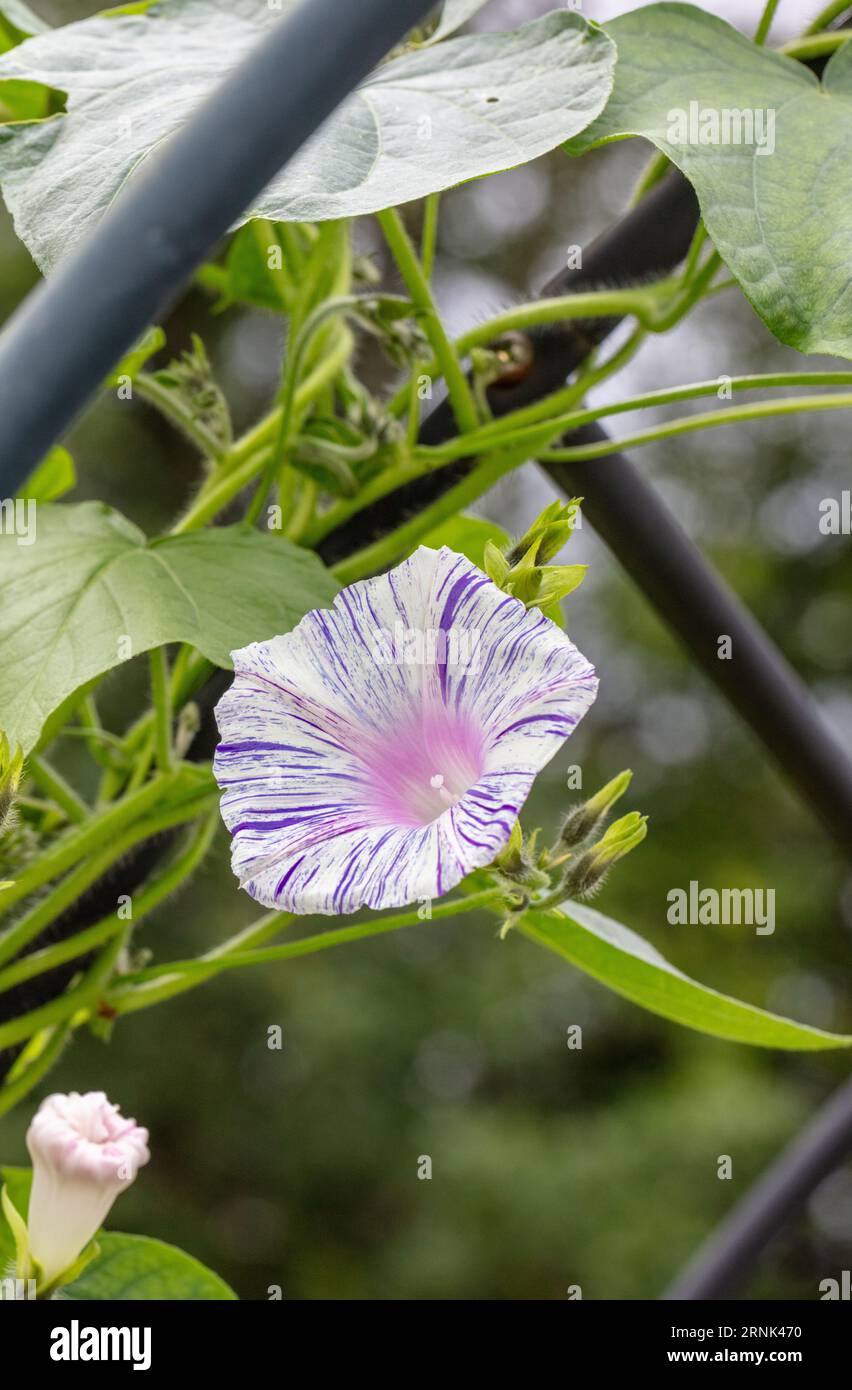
x=18 y=1226
x=83 y=1260
x=557 y=582
x=495 y=564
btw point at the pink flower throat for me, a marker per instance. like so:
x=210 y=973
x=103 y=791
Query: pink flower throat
x=424 y=766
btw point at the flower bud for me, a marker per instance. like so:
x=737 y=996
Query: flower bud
x=583 y=820
x=524 y=571
x=524 y=579
x=557 y=582
x=516 y=862
x=495 y=564
x=588 y=874
x=84 y=1154
x=549 y=532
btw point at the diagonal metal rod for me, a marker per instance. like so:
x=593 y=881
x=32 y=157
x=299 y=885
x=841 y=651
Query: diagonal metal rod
x=728 y=1255
x=71 y=330
x=698 y=606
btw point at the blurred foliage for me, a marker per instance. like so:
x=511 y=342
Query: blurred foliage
x=550 y=1167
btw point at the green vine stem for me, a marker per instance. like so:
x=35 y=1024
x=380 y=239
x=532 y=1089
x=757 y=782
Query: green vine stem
x=288 y=419
x=394 y=546
x=47 y=1051
x=169 y=404
x=52 y=784
x=67 y=890
x=82 y=995
x=417 y=284
x=245 y=461
x=429 y=234
x=185 y=784
x=759 y=410
x=493 y=436
x=145 y=901
x=152 y=986
x=827 y=15
x=641 y=303
x=814 y=45
x=766 y=18
x=162 y=705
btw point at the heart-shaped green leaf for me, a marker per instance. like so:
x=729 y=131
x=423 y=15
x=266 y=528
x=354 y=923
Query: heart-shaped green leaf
x=623 y=960
x=782 y=220
x=423 y=121
x=91 y=591
x=136 y=1267
x=127 y=1267
x=468 y=535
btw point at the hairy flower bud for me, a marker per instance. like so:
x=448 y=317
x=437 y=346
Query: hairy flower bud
x=549 y=532
x=587 y=875
x=524 y=571
x=583 y=820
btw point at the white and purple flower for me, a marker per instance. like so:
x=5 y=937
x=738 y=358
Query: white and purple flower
x=351 y=780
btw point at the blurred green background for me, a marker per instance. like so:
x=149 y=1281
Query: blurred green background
x=550 y=1167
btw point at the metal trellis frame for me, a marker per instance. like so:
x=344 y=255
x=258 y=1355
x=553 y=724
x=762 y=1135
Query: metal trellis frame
x=58 y=348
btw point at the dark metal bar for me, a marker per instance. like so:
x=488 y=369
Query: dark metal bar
x=724 y=1260
x=59 y=346
x=689 y=595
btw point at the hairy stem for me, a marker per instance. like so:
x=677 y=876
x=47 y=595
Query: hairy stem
x=162 y=705
x=170 y=405
x=461 y=399
x=51 y=783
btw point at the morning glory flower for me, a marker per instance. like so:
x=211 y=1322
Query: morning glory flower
x=382 y=750
x=84 y=1154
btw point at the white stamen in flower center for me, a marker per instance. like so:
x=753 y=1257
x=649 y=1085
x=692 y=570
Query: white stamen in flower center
x=437 y=782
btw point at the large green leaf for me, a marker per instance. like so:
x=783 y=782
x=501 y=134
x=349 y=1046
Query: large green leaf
x=92 y=579
x=467 y=535
x=136 y=1267
x=127 y=1267
x=782 y=221
x=631 y=966
x=423 y=121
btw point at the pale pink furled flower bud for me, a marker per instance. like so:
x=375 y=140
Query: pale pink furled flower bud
x=84 y=1154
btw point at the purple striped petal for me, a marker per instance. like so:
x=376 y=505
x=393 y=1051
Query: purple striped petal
x=382 y=750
